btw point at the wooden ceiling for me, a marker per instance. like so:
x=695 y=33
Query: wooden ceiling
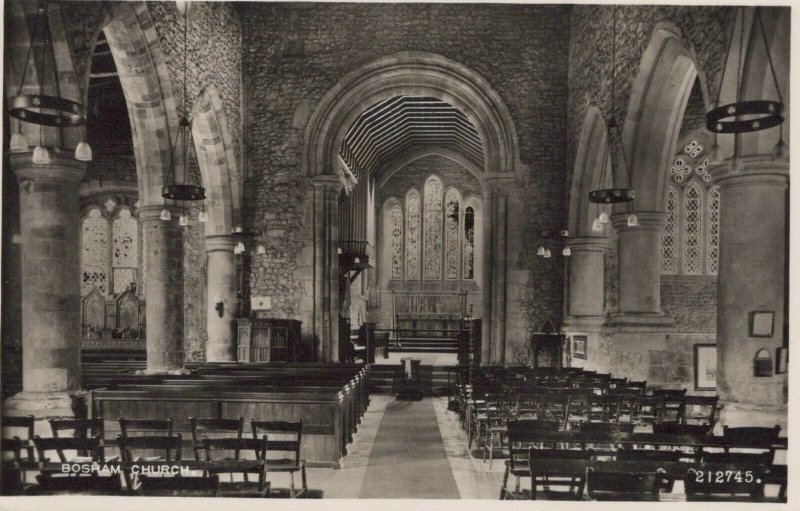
x=394 y=127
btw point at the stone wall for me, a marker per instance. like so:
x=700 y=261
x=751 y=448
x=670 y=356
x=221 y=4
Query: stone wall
x=415 y=173
x=692 y=301
x=294 y=53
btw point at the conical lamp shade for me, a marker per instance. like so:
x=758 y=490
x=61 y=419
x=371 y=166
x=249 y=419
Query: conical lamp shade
x=83 y=152
x=165 y=215
x=596 y=225
x=547 y=253
x=632 y=221
x=261 y=250
x=183 y=220
x=540 y=251
x=603 y=218
x=239 y=248
x=202 y=217
x=779 y=152
x=566 y=252
x=19 y=144
x=41 y=156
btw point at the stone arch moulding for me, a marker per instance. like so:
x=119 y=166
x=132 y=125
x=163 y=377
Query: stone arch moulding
x=658 y=99
x=587 y=172
x=148 y=90
x=411 y=73
x=214 y=147
x=411 y=156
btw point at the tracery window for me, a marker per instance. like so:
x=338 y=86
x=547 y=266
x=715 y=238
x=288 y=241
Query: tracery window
x=432 y=259
x=94 y=252
x=124 y=256
x=412 y=235
x=451 y=223
x=690 y=235
x=396 y=222
x=469 y=244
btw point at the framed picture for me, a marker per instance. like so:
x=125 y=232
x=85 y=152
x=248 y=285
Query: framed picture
x=781 y=360
x=705 y=367
x=579 y=346
x=761 y=323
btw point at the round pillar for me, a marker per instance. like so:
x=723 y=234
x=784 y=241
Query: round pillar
x=50 y=267
x=163 y=263
x=221 y=300
x=586 y=276
x=752 y=277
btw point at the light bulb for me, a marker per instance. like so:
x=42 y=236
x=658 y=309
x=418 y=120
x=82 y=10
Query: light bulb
x=780 y=151
x=165 y=215
x=19 y=144
x=596 y=225
x=261 y=250
x=566 y=252
x=603 y=218
x=632 y=220
x=83 y=152
x=715 y=153
x=540 y=251
x=547 y=253
x=183 y=220
x=202 y=217
x=41 y=156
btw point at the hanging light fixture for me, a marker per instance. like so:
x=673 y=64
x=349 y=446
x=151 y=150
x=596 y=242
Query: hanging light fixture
x=551 y=238
x=239 y=248
x=183 y=220
x=749 y=115
x=612 y=195
x=261 y=250
x=43 y=109
x=183 y=191
x=596 y=225
x=540 y=252
x=566 y=252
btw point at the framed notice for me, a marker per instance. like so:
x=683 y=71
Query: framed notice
x=579 y=346
x=781 y=360
x=761 y=323
x=705 y=367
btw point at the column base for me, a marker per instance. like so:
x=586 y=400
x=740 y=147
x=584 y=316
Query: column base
x=641 y=322
x=42 y=405
x=583 y=324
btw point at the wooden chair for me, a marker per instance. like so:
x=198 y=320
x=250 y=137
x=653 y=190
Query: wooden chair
x=605 y=408
x=647 y=409
x=651 y=455
x=290 y=464
x=200 y=486
x=554 y=407
x=57 y=483
x=24 y=425
x=201 y=427
x=153 y=427
x=738 y=482
x=557 y=484
x=756 y=438
x=519 y=434
x=610 y=484
x=11 y=473
x=700 y=411
x=80 y=428
x=673 y=403
x=169 y=445
x=246 y=488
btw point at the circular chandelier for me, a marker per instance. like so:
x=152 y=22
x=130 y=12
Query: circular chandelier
x=182 y=191
x=746 y=116
x=44 y=109
x=603 y=196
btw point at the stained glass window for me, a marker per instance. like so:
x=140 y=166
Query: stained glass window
x=692 y=229
x=396 y=223
x=669 y=233
x=713 y=230
x=432 y=249
x=451 y=223
x=412 y=235
x=125 y=250
x=469 y=244
x=94 y=252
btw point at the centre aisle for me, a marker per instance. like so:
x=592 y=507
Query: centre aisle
x=408 y=459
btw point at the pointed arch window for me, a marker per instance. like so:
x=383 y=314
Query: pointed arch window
x=669 y=233
x=124 y=256
x=469 y=243
x=94 y=253
x=692 y=229
x=396 y=223
x=451 y=229
x=432 y=258
x=412 y=235
x=713 y=230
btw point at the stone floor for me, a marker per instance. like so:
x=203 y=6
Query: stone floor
x=426 y=358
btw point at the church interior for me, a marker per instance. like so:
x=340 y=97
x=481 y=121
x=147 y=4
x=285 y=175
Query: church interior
x=388 y=250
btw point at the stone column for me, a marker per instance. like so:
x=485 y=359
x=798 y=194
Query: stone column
x=487 y=265
x=163 y=261
x=585 y=282
x=50 y=268
x=326 y=266
x=221 y=345
x=752 y=277
x=639 y=272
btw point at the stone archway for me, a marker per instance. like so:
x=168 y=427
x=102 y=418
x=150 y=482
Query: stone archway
x=414 y=74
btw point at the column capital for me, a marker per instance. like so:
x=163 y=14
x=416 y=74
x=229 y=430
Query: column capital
x=330 y=181
x=153 y=212
x=63 y=167
x=648 y=220
x=220 y=243
x=503 y=181
x=749 y=171
x=588 y=244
